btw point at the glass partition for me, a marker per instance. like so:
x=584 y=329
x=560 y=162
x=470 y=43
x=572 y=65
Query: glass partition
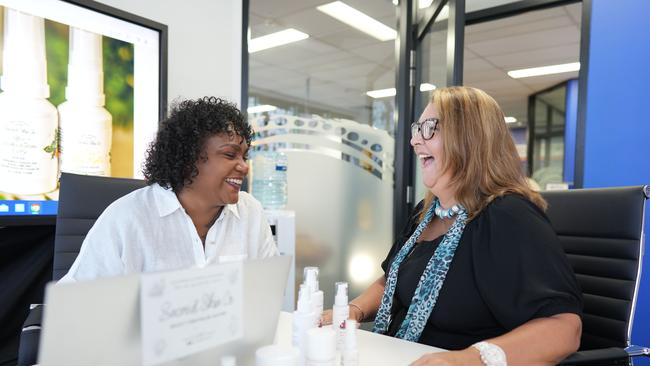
x=547 y=137
x=433 y=61
x=328 y=102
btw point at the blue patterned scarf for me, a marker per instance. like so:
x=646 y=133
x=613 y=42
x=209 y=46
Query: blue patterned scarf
x=426 y=294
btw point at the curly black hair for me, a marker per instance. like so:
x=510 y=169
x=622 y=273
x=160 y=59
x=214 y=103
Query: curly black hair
x=179 y=144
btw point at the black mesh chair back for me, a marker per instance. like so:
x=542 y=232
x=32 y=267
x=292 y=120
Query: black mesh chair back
x=601 y=231
x=82 y=199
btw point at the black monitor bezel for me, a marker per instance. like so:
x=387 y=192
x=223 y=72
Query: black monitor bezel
x=32 y=220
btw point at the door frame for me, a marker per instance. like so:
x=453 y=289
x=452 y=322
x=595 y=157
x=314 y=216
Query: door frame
x=412 y=33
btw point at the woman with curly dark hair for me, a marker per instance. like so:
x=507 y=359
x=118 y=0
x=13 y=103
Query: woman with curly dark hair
x=192 y=211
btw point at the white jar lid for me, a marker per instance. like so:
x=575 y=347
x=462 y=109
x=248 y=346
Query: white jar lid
x=276 y=355
x=321 y=344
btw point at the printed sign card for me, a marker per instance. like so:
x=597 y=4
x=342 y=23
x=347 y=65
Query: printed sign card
x=188 y=311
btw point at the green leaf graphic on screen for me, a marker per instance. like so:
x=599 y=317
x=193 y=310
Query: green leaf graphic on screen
x=53 y=148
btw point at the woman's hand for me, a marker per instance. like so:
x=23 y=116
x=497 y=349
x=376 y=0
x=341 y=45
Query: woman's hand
x=468 y=356
x=326 y=318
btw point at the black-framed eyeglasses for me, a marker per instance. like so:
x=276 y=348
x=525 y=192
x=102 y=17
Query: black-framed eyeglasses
x=426 y=128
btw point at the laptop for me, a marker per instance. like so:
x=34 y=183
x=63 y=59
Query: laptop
x=98 y=322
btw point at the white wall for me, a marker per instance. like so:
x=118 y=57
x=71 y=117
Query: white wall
x=204 y=44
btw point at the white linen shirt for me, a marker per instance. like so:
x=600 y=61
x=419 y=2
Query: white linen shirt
x=148 y=230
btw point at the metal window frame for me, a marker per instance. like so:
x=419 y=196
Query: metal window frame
x=548 y=134
x=581 y=123
x=147 y=23
x=405 y=75
x=408 y=75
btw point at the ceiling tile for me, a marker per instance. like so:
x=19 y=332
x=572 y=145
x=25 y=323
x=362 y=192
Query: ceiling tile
x=538 y=57
x=377 y=52
x=342 y=63
x=281 y=8
x=526 y=42
x=480 y=35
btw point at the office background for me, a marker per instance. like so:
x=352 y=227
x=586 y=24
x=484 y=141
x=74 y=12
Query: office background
x=206 y=58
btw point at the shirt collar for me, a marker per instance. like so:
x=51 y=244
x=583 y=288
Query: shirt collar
x=232 y=208
x=166 y=200
x=167 y=203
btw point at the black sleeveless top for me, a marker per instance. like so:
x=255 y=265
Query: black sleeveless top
x=509 y=268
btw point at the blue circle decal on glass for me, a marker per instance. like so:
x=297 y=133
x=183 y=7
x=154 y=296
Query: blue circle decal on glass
x=313 y=123
x=353 y=136
x=299 y=122
x=376 y=148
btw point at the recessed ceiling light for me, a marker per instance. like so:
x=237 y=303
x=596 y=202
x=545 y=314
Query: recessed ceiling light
x=423 y=4
x=276 y=39
x=426 y=87
x=510 y=119
x=395 y=2
x=382 y=93
x=261 y=108
x=391 y=92
x=354 y=18
x=544 y=70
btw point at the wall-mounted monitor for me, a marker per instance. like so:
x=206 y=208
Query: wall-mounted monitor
x=82 y=90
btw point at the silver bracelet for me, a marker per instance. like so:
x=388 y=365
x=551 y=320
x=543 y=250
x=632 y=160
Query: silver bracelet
x=363 y=316
x=491 y=354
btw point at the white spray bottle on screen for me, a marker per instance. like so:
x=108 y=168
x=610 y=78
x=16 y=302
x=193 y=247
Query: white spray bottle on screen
x=303 y=320
x=28 y=121
x=86 y=126
x=311 y=280
x=340 y=311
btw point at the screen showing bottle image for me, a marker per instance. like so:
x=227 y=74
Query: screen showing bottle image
x=78 y=93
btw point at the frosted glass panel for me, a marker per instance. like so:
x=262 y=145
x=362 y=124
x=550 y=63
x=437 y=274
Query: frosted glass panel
x=340 y=183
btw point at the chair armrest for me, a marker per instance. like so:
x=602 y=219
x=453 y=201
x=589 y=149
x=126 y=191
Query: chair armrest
x=30 y=337
x=603 y=356
x=35 y=316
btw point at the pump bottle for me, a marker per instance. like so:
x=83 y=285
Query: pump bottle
x=350 y=353
x=340 y=311
x=303 y=320
x=28 y=121
x=311 y=280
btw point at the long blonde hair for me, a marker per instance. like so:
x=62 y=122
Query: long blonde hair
x=478 y=150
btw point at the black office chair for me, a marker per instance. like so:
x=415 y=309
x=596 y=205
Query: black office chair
x=601 y=231
x=81 y=200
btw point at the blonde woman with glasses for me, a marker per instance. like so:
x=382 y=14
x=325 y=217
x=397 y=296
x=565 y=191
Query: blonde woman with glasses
x=478 y=269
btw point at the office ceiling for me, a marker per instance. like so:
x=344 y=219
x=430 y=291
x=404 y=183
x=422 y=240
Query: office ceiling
x=335 y=67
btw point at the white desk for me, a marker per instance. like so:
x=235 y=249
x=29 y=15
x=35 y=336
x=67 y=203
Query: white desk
x=374 y=349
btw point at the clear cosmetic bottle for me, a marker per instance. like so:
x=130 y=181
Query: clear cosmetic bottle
x=340 y=312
